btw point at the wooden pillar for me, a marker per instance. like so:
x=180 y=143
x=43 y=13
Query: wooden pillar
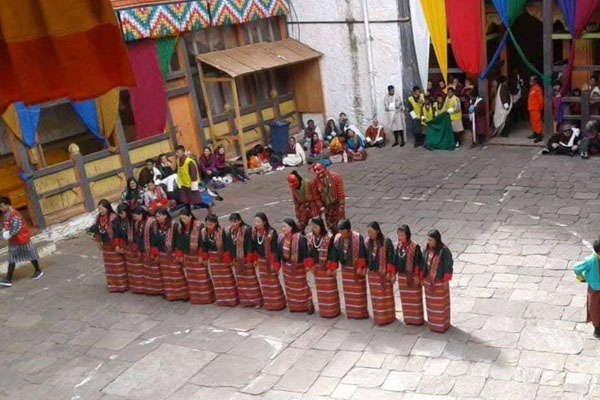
x=483 y=83
x=123 y=150
x=171 y=127
x=194 y=95
x=585 y=108
x=238 y=125
x=548 y=58
x=84 y=184
x=209 y=116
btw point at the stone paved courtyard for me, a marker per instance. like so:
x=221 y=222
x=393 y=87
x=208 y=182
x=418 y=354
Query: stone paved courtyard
x=515 y=222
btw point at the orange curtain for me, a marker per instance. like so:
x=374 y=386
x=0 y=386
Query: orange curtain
x=51 y=49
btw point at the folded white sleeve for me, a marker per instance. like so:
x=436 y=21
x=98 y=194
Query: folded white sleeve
x=451 y=110
x=413 y=115
x=194 y=186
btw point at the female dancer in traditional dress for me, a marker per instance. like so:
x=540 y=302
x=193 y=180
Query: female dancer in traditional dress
x=319 y=242
x=382 y=271
x=407 y=258
x=217 y=248
x=103 y=232
x=161 y=250
x=436 y=273
x=137 y=258
x=265 y=246
x=349 y=251
x=187 y=252
x=292 y=256
x=240 y=234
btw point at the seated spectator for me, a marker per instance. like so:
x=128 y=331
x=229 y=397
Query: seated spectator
x=331 y=130
x=164 y=166
x=310 y=129
x=315 y=149
x=294 y=155
x=132 y=195
x=576 y=107
x=154 y=197
x=337 y=149
x=375 y=135
x=267 y=155
x=206 y=163
x=590 y=144
x=355 y=146
x=343 y=122
x=354 y=128
x=148 y=174
x=255 y=164
x=223 y=167
x=566 y=142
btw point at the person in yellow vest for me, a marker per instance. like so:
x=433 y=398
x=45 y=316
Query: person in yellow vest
x=188 y=178
x=438 y=105
x=415 y=106
x=453 y=108
x=427 y=114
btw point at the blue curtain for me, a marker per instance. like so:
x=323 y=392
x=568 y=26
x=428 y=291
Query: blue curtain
x=568 y=10
x=86 y=110
x=29 y=117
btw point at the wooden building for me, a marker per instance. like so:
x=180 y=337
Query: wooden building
x=190 y=91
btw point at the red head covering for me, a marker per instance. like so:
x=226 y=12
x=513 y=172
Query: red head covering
x=293 y=181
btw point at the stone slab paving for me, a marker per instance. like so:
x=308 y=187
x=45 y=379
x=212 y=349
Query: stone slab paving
x=515 y=221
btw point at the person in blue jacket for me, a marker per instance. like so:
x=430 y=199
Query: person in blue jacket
x=589 y=271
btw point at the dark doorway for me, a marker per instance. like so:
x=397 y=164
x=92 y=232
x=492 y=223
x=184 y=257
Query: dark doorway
x=528 y=31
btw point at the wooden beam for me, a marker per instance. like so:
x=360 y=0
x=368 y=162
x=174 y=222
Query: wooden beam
x=217 y=80
x=194 y=95
x=209 y=116
x=123 y=150
x=82 y=179
x=548 y=58
x=567 y=36
x=282 y=27
x=238 y=125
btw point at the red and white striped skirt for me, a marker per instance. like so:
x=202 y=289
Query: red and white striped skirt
x=382 y=298
x=115 y=269
x=299 y=296
x=135 y=272
x=198 y=281
x=437 y=297
x=273 y=296
x=328 y=295
x=174 y=283
x=248 y=286
x=355 y=294
x=411 y=299
x=223 y=281
x=153 y=278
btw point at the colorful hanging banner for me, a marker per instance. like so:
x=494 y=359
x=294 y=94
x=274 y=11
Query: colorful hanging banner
x=435 y=15
x=165 y=48
x=464 y=26
x=148 y=99
x=51 y=49
x=99 y=115
x=227 y=12
x=22 y=122
x=421 y=39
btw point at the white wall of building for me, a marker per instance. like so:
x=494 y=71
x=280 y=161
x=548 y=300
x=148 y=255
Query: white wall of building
x=345 y=63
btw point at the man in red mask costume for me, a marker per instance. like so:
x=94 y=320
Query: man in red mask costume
x=304 y=200
x=329 y=195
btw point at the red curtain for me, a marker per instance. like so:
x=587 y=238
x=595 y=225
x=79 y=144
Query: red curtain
x=464 y=25
x=148 y=99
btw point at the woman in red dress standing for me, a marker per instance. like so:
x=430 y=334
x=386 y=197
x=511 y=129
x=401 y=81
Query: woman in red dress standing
x=382 y=271
x=240 y=235
x=265 y=247
x=319 y=242
x=217 y=249
x=407 y=258
x=162 y=250
x=292 y=256
x=187 y=252
x=436 y=273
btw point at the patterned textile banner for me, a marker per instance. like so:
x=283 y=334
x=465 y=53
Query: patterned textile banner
x=435 y=15
x=464 y=25
x=99 y=115
x=50 y=49
x=149 y=99
x=225 y=12
x=165 y=48
x=22 y=122
x=155 y=21
x=421 y=38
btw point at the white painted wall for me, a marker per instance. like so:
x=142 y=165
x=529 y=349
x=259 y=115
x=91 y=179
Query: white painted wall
x=344 y=64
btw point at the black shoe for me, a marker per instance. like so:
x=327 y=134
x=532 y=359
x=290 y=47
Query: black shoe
x=532 y=136
x=402 y=144
x=5 y=283
x=37 y=274
x=537 y=139
x=597 y=333
x=395 y=144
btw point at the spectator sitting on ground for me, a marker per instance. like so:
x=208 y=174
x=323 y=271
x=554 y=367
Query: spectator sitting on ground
x=154 y=197
x=310 y=129
x=164 y=166
x=267 y=155
x=355 y=146
x=223 y=167
x=331 y=130
x=255 y=165
x=132 y=195
x=148 y=174
x=566 y=142
x=375 y=135
x=206 y=163
x=590 y=144
x=343 y=122
x=294 y=155
x=315 y=149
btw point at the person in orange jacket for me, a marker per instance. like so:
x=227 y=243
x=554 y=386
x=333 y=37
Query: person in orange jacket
x=535 y=106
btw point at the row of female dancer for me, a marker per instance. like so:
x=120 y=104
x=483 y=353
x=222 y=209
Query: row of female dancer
x=202 y=262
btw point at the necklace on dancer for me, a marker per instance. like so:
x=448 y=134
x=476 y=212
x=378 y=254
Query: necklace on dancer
x=317 y=245
x=260 y=239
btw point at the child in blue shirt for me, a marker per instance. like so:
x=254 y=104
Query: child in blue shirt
x=588 y=271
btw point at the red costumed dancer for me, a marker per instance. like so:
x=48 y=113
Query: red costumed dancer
x=304 y=201
x=329 y=195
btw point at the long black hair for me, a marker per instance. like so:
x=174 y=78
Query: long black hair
x=265 y=220
x=212 y=218
x=106 y=204
x=124 y=208
x=236 y=217
x=375 y=225
x=406 y=229
x=292 y=224
x=162 y=211
x=140 y=211
x=344 y=225
x=319 y=222
x=128 y=191
x=437 y=236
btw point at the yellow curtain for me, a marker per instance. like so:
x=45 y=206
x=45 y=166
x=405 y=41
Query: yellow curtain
x=107 y=107
x=435 y=15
